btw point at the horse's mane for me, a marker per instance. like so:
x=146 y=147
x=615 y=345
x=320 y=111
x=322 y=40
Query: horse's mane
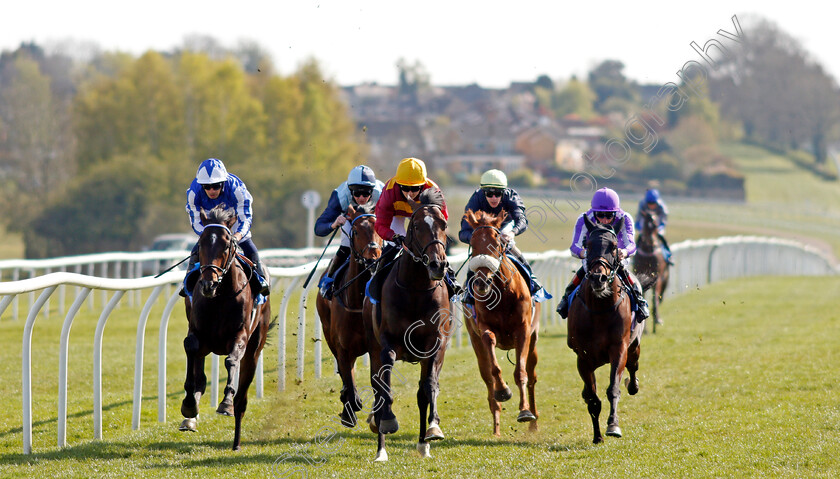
x=220 y=214
x=431 y=196
x=484 y=218
x=366 y=209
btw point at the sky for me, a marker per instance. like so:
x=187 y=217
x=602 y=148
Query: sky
x=488 y=42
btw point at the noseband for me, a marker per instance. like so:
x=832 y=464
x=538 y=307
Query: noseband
x=611 y=265
x=231 y=247
x=421 y=257
x=493 y=263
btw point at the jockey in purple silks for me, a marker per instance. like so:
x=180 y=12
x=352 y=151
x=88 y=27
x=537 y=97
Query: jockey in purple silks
x=606 y=210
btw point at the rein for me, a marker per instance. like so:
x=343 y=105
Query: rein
x=422 y=257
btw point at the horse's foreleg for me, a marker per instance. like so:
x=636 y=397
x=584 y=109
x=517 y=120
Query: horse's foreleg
x=427 y=394
x=189 y=406
x=500 y=390
x=590 y=397
x=350 y=400
x=232 y=364
x=520 y=375
x=633 y=355
x=619 y=359
x=386 y=421
x=531 y=367
x=484 y=368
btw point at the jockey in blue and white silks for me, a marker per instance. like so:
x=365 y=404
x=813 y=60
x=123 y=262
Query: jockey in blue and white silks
x=361 y=188
x=606 y=210
x=212 y=186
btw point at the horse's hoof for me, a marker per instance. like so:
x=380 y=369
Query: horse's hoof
x=381 y=456
x=633 y=387
x=526 y=416
x=598 y=440
x=432 y=434
x=348 y=420
x=423 y=449
x=502 y=395
x=189 y=424
x=613 y=431
x=388 y=426
x=372 y=424
x=225 y=409
x=658 y=321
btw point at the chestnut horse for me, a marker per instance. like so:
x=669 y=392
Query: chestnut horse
x=341 y=317
x=223 y=320
x=601 y=327
x=505 y=317
x=412 y=321
x=649 y=263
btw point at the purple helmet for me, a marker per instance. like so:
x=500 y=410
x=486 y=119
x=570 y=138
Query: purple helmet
x=605 y=199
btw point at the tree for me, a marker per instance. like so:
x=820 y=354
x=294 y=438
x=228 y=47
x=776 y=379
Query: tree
x=783 y=98
x=607 y=81
x=574 y=98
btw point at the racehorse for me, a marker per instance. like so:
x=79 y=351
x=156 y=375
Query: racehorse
x=505 y=317
x=649 y=263
x=341 y=317
x=223 y=320
x=412 y=321
x=601 y=327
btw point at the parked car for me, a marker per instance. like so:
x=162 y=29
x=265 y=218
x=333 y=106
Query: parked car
x=168 y=242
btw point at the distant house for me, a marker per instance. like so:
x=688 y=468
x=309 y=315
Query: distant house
x=465 y=165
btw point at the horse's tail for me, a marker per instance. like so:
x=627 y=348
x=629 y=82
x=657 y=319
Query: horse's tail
x=271 y=325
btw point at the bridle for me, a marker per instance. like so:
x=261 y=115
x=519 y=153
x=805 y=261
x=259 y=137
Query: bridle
x=359 y=256
x=491 y=262
x=410 y=240
x=611 y=265
x=231 y=255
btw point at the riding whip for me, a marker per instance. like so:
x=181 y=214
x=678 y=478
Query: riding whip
x=306 y=283
x=171 y=267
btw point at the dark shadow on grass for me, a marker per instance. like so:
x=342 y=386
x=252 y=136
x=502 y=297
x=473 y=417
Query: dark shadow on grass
x=86 y=412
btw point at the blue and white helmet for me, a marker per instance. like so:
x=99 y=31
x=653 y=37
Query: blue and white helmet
x=211 y=171
x=361 y=175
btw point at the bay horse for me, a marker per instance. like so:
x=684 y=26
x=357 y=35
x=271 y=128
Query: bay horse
x=223 y=320
x=649 y=263
x=412 y=322
x=341 y=317
x=505 y=317
x=601 y=327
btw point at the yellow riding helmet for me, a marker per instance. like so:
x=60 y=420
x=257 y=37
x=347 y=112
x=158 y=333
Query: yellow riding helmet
x=411 y=172
x=493 y=179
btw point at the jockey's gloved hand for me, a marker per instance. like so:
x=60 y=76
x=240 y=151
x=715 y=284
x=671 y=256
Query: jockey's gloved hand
x=398 y=240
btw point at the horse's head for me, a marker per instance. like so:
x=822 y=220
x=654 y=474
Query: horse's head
x=487 y=248
x=216 y=248
x=426 y=233
x=364 y=241
x=601 y=257
x=650 y=222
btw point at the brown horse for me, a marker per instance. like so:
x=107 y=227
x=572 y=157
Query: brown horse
x=341 y=317
x=649 y=263
x=600 y=327
x=223 y=320
x=412 y=322
x=505 y=317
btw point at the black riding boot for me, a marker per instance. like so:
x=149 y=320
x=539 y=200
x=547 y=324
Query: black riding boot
x=340 y=257
x=190 y=266
x=642 y=311
x=468 y=298
x=265 y=285
x=452 y=284
x=563 y=307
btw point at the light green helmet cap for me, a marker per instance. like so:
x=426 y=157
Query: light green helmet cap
x=493 y=179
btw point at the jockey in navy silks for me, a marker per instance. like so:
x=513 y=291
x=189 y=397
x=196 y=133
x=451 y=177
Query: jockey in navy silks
x=605 y=209
x=494 y=196
x=654 y=203
x=361 y=188
x=212 y=186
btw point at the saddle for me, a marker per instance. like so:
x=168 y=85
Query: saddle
x=339 y=273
